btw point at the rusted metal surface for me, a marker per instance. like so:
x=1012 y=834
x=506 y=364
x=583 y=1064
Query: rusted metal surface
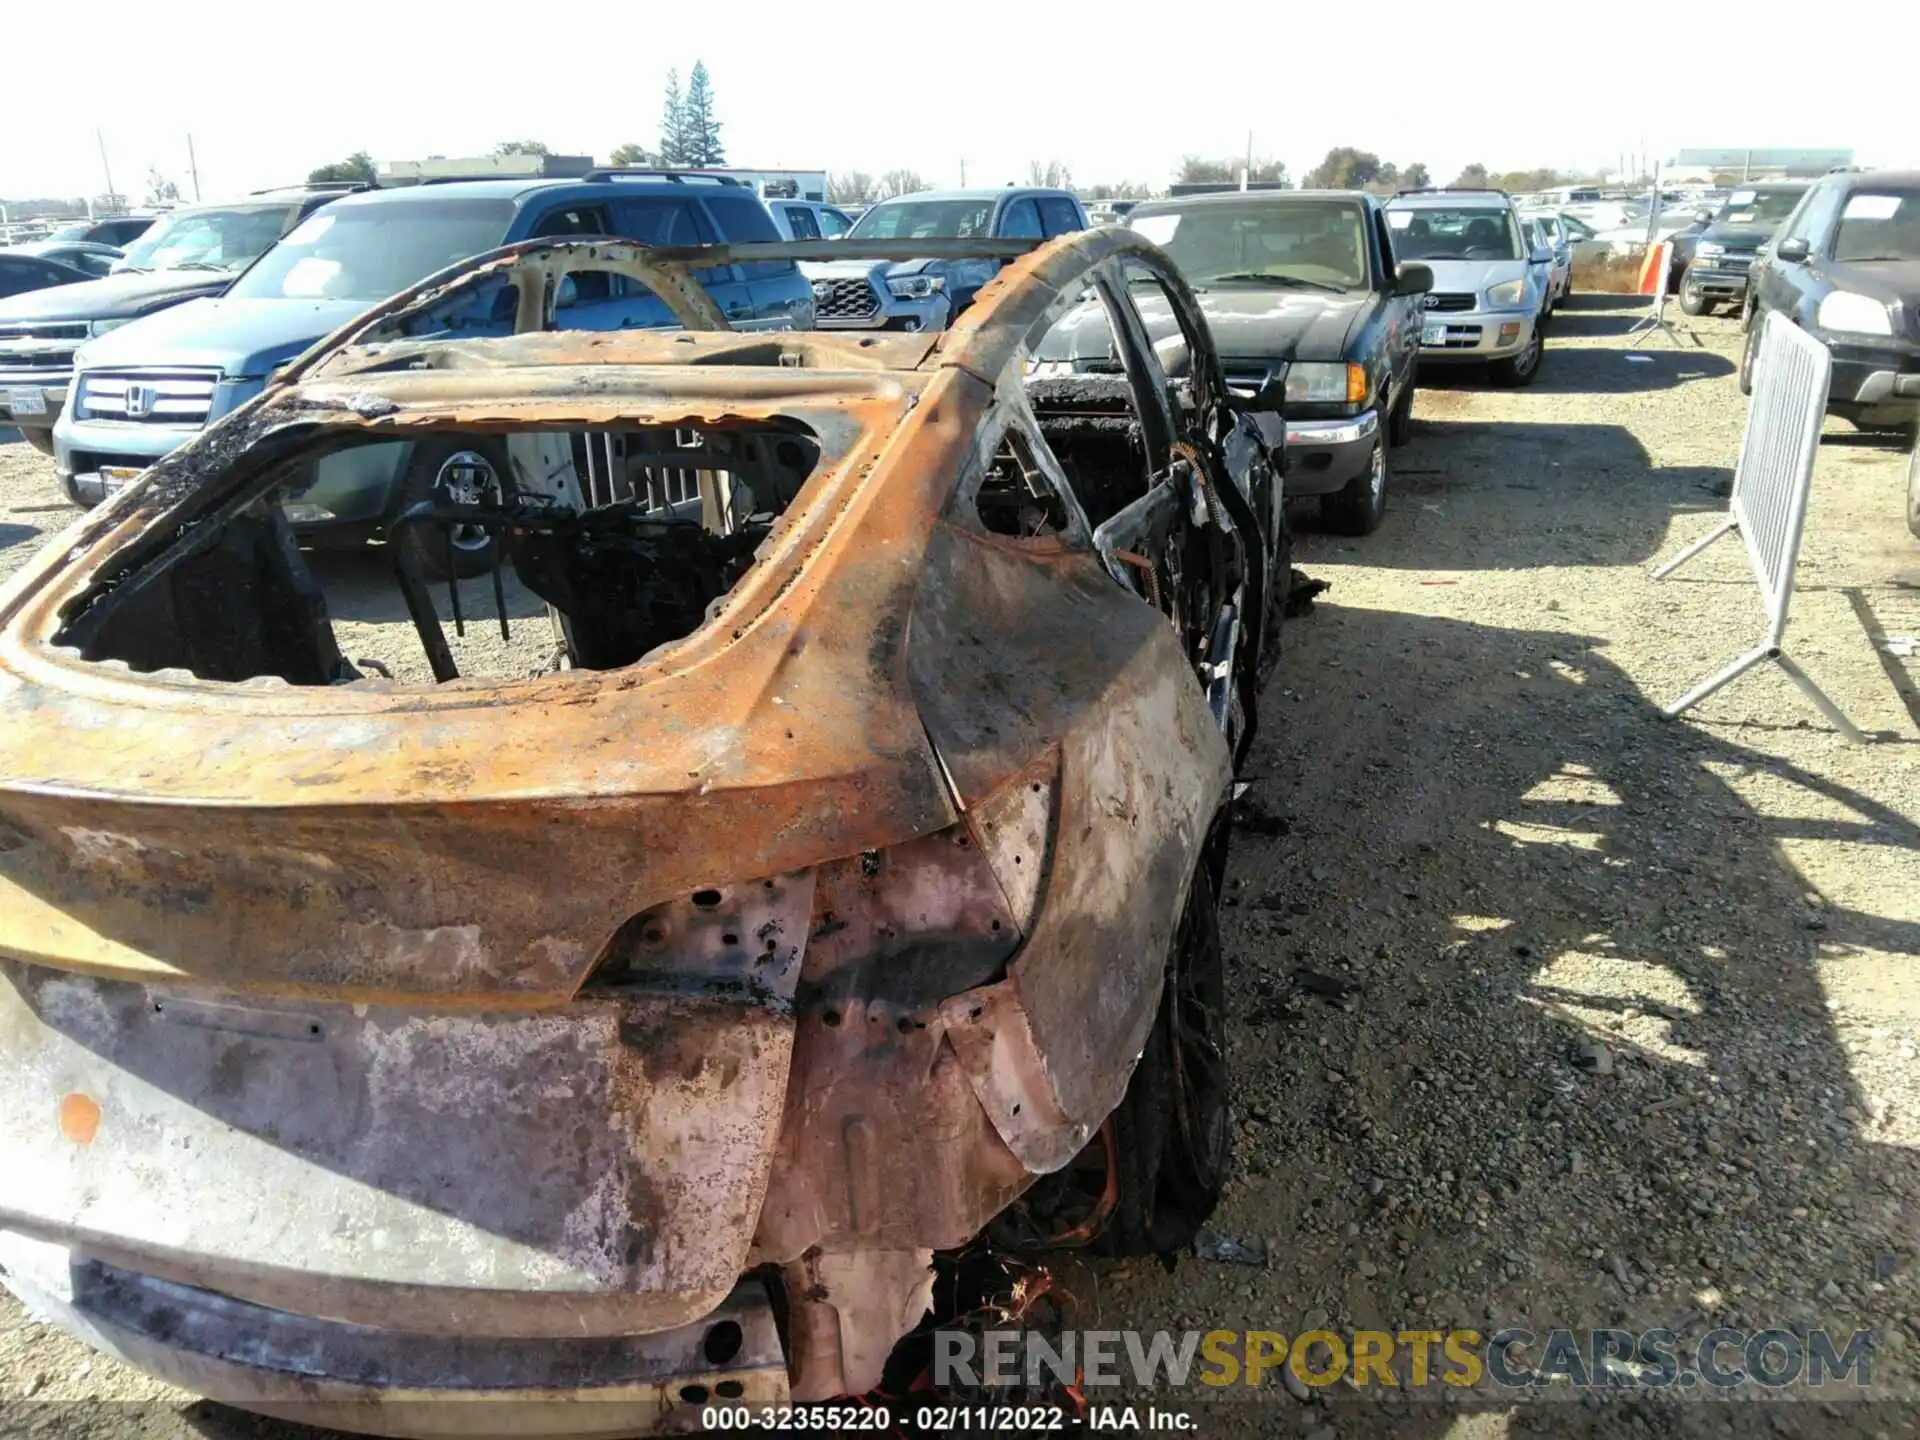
x=810 y=939
x=392 y=1382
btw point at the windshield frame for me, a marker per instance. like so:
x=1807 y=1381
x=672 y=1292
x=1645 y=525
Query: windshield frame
x=1343 y=208
x=137 y=253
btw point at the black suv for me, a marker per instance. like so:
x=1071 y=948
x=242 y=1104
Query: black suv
x=1846 y=265
x=1310 y=314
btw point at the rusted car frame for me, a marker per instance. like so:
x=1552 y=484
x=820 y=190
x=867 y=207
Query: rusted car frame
x=636 y=1032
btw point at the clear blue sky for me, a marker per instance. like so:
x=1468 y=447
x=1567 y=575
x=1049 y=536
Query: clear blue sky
x=1116 y=92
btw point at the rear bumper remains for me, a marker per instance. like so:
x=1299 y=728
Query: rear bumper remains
x=393 y=1382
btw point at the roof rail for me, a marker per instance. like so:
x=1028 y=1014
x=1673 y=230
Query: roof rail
x=1452 y=190
x=342 y=187
x=670 y=174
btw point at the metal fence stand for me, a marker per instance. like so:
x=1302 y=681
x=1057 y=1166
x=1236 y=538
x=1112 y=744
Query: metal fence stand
x=1769 y=505
x=1655 y=320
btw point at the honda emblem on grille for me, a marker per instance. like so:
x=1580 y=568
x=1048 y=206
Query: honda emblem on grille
x=139 y=401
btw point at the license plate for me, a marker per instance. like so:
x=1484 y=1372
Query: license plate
x=1433 y=334
x=26 y=400
x=117 y=475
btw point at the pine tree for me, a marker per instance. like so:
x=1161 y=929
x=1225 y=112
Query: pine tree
x=700 y=129
x=673 y=123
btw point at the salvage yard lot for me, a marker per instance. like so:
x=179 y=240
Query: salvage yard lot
x=1473 y=835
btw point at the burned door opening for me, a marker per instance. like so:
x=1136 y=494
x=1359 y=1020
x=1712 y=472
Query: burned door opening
x=626 y=536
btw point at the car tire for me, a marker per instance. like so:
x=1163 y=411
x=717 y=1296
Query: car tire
x=1693 y=303
x=1357 y=507
x=1913 y=491
x=1517 y=371
x=470 y=469
x=1175 y=1109
x=1750 y=352
x=1400 y=418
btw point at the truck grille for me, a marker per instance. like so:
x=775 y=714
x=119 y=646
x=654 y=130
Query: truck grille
x=1448 y=300
x=40 y=347
x=1735 y=260
x=845 y=300
x=1246 y=376
x=181 y=397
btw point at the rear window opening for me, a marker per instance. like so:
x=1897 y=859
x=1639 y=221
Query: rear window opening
x=495 y=556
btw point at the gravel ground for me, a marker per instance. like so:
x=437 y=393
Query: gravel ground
x=1547 y=1012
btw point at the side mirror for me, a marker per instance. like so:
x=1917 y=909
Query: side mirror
x=1541 y=256
x=1793 y=251
x=1412 y=278
x=1704 y=214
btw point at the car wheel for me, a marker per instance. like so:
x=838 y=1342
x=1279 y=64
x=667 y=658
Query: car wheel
x=1519 y=370
x=1750 y=353
x=1913 y=491
x=462 y=470
x=1357 y=507
x=1694 y=303
x=1400 y=418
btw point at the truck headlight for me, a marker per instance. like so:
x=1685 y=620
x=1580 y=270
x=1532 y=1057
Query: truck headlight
x=1506 y=295
x=916 y=287
x=1708 y=250
x=1324 y=382
x=1855 y=314
x=101 y=327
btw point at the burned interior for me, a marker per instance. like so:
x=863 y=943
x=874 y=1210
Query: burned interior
x=629 y=534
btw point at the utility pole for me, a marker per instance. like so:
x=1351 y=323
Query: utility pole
x=963 y=172
x=193 y=168
x=1246 y=175
x=104 y=167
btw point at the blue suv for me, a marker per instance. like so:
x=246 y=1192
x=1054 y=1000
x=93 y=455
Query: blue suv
x=152 y=385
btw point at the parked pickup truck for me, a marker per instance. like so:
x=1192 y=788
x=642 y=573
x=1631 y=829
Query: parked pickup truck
x=191 y=252
x=1318 y=330
x=145 y=390
x=927 y=294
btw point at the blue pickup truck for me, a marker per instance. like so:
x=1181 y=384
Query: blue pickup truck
x=149 y=387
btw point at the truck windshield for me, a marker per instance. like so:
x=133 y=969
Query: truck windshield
x=1758 y=207
x=1879 y=225
x=229 y=238
x=924 y=220
x=1322 y=242
x=1471 y=232
x=370 y=251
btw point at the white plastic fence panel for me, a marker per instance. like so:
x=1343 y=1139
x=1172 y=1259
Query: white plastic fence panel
x=1775 y=470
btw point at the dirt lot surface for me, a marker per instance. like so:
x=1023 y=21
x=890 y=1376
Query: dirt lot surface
x=1547 y=1012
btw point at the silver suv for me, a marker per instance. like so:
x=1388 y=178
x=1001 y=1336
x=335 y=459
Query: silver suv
x=1488 y=298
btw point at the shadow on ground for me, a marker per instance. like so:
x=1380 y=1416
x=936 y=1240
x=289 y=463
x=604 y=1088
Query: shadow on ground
x=1492 y=837
x=1459 y=478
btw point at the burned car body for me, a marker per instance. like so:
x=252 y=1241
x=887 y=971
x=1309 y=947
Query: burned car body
x=634 y=1032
